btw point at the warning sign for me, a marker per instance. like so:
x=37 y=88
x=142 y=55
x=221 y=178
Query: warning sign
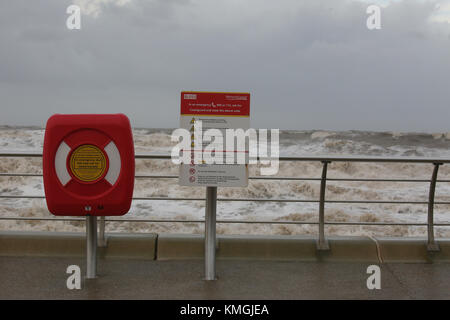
x=226 y=175
x=215 y=110
x=88 y=163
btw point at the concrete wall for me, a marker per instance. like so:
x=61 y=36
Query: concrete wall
x=174 y=246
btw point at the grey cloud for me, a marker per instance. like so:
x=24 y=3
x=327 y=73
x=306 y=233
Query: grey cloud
x=308 y=64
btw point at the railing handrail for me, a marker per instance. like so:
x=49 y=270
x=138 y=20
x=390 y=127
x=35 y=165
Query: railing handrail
x=325 y=160
x=140 y=176
x=346 y=223
x=281 y=158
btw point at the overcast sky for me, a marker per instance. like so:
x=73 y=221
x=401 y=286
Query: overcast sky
x=307 y=64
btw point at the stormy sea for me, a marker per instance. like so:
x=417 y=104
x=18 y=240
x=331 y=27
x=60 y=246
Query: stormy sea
x=292 y=143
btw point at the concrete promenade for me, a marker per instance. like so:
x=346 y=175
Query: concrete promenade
x=45 y=278
x=33 y=266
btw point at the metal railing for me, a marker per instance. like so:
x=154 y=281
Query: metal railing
x=322 y=242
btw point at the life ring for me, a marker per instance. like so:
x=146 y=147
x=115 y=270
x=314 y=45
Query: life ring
x=87 y=162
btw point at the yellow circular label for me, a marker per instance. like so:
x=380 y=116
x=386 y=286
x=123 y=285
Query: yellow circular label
x=87 y=163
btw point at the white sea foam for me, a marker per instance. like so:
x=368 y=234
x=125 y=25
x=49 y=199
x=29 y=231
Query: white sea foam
x=299 y=143
x=321 y=134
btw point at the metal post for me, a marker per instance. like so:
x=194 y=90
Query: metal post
x=210 y=233
x=91 y=244
x=432 y=244
x=101 y=235
x=322 y=243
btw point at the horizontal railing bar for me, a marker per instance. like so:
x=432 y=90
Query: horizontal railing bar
x=74 y=219
x=156 y=176
x=152 y=156
x=20 y=197
x=5 y=174
x=302 y=179
x=366 y=159
x=21 y=154
x=323 y=158
x=166 y=198
x=327 y=201
x=251 y=200
x=384 y=180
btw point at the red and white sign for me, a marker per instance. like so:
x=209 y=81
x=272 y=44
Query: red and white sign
x=215 y=103
x=215 y=110
x=88 y=164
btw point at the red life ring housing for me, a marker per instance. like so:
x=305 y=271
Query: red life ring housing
x=88 y=164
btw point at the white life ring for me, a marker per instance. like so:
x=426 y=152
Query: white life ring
x=63 y=152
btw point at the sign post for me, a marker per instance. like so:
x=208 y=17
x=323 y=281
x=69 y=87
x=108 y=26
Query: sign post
x=210 y=233
x=218 y=111
x=91 y=247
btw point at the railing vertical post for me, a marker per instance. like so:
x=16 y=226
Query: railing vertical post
x=210 y=233
x=322 y=243
x=91 y=246
x=101 y=233
x=432 y=244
